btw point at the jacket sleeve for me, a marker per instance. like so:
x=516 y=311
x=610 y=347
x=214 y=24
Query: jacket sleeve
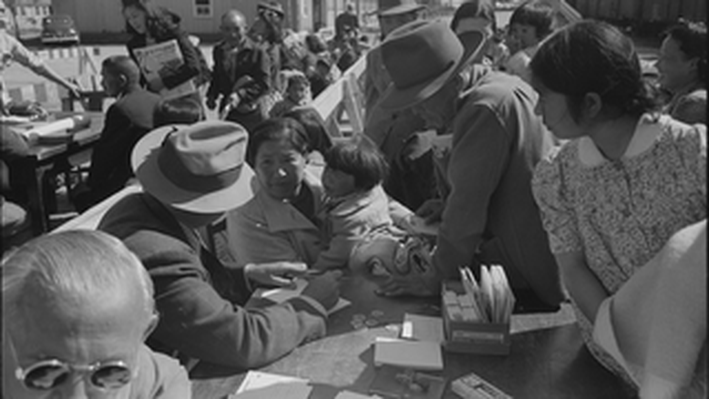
x=196 y=321
x=106 y=156
x=476 y=166
x=191 y=64
x=215 y=83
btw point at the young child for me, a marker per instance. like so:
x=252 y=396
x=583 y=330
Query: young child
x=356 y=204
x=297 y=94
x=529 y=24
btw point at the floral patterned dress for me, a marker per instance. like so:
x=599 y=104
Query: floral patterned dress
x=621 y=213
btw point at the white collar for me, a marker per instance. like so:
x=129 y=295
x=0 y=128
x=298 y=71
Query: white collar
x=647 y=131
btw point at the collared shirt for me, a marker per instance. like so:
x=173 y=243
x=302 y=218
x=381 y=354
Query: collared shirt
x=12 y=50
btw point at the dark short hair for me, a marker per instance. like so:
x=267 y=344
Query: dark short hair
x=534 y=13
x=313 y=126
x=592 y=57
x=692 y=40
x=277 y=130
x=118 y=65
x=181 y=110
x=315 y=43
x=484 y=9
x=361 y=159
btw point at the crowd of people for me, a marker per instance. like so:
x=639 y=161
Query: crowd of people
x=544 y=150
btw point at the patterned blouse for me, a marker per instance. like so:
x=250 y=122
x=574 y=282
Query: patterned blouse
x=621 y=213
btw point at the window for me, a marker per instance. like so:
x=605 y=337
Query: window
x=203 y=8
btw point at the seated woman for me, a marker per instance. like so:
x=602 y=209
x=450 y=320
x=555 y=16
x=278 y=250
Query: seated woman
x=281 y=222
x=612 y=197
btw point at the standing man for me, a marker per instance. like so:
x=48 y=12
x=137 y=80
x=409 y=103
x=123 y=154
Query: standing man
x=410 y=182
x=241 y=75
x=191 y=175
x=347 y=21
x=489 y=216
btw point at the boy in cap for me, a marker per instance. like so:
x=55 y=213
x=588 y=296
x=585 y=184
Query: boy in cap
x=191 y=175
x=490 y=216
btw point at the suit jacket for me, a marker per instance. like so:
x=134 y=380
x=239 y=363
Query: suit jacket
x=199 y=300
x=230 y=65
x=127 y=120
x=490 y=215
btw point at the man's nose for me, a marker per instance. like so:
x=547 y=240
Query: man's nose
x=76 y=388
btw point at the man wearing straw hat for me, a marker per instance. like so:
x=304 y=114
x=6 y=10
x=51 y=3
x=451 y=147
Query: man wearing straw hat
x=490 y=216
x=191 y=175
x=410 y=182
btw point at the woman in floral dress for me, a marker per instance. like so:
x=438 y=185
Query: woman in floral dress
x=626 y=181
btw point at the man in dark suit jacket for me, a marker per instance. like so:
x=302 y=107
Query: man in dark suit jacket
x=127 y=120
x=190 y=177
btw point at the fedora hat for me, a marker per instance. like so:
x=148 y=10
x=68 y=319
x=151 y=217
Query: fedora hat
x=271 y=6
x=199 y=168
x=388 y=8
x=420 y=57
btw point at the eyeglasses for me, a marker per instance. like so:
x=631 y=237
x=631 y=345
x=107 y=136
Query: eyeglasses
x=49 y=374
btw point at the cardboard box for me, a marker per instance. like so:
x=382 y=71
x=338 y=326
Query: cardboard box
x=472 y=337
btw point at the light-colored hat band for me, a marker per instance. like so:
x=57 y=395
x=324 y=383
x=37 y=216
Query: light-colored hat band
x=174 y=169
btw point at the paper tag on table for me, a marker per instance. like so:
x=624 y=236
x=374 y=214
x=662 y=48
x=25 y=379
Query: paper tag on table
x=352 y=395
x=260 y=385
x=280 y=295
x=423 y=328
x=418 y=355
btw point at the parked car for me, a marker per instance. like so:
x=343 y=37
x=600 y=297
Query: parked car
x=59 y=29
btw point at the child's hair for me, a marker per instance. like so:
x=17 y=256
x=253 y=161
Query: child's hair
x=277 y=130
x=692 y=40
x=160 y=22
x=295 y=78
x=314 y=127
x=177 y=110
x=484 y=9
x=592 y=57
x=361 y=159
x=315 y=44
x=534 y=13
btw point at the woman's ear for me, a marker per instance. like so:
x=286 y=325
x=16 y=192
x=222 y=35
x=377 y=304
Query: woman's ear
x=592 y=106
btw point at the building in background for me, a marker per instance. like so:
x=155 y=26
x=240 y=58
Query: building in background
x=201 y=17
x=27 y=16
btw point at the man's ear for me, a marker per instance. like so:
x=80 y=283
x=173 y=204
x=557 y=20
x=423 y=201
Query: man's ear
x=123 y=79
x=152 y=324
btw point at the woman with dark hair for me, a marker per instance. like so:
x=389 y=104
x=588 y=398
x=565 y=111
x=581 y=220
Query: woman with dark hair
x=280 y=222
x=683 y=71
x=479 y=16
x=149 y=24
x=314 y=127
x=621 y=188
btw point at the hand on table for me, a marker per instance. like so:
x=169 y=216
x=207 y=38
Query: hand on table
x=431 y=210
x=325 y=289
x=279 y=274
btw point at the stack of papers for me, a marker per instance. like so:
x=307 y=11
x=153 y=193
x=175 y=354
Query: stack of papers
x=259 y=385
x=418 y=355
x=423 y=328
x=280 y=295
x=490 y=300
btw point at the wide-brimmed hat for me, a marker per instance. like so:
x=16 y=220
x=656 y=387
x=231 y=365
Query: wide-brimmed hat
x=388 y=8
x=272 y=6
x=199 y=168
x=420 y=57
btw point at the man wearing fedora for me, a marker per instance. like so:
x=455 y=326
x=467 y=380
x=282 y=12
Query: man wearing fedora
x=489 y=216
x=191 y=175
x=410 y=182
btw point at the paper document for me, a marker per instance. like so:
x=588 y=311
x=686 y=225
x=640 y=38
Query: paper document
x=165 y=56
x=352 y=395
x=423 y=328
x=419 y=355
x=258 y=385
x=280 y=295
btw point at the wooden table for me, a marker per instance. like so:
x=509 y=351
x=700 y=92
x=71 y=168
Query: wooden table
x=547 y=359
x=43 y=157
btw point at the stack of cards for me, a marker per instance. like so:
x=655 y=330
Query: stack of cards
x=490 y=300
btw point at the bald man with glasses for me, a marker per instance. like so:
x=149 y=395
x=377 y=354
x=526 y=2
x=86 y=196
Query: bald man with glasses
x=77 y=307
